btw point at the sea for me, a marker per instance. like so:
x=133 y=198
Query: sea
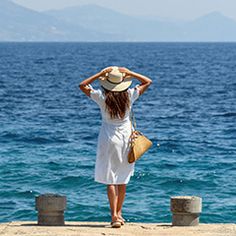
x=49 y=129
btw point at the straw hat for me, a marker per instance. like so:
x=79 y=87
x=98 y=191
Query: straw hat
x=115 y=80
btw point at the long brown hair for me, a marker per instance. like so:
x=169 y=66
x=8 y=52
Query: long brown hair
x=117 y=103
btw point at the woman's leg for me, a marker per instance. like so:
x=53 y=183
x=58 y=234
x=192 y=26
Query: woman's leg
x=112 y=193
x=121 y=198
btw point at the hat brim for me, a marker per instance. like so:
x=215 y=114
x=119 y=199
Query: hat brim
x=116 y=87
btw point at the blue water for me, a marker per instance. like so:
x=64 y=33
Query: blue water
x=49 y=128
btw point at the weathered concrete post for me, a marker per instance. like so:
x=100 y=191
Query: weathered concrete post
x=186 y=210
x=50 y=209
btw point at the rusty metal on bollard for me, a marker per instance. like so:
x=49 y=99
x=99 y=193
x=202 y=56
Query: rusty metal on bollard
x=50 y=209
x=185 y=210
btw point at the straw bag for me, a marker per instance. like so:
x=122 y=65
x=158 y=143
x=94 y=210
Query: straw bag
x=138 y=143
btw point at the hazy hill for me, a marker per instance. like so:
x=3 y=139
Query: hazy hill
x=211 y=27
x=18 y=23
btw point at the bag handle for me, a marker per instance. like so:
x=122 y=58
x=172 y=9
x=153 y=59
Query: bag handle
x=134 y=133
x=132 y=119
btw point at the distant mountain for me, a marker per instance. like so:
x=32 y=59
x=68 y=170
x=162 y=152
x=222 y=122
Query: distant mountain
x=96 y=23
x=211 y=27
x=105 y=20
x=18 y=23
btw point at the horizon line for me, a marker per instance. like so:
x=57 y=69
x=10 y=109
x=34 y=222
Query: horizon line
x=117 y=41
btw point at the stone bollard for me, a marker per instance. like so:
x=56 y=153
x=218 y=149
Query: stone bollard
x=186 y=210
x=50 y=209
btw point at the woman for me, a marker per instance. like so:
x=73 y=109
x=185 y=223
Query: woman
x=115 y=101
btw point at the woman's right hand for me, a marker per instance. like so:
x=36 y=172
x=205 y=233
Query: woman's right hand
x=124 y=70
x=106 y=70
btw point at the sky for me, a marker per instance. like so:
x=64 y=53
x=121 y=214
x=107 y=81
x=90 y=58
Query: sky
x=171 y=9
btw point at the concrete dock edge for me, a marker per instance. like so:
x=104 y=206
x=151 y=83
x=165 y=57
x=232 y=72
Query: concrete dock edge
x=29 y=228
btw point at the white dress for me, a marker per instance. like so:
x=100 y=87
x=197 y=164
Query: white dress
x=112 y=166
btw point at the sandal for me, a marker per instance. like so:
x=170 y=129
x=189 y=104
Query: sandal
x=122 y=220
x=116 y=224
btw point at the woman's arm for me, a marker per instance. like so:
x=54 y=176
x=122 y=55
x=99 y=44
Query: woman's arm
x=84 y=84
x=145 y=81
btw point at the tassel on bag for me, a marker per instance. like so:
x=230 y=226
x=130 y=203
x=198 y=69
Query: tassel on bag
x=139 y=143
